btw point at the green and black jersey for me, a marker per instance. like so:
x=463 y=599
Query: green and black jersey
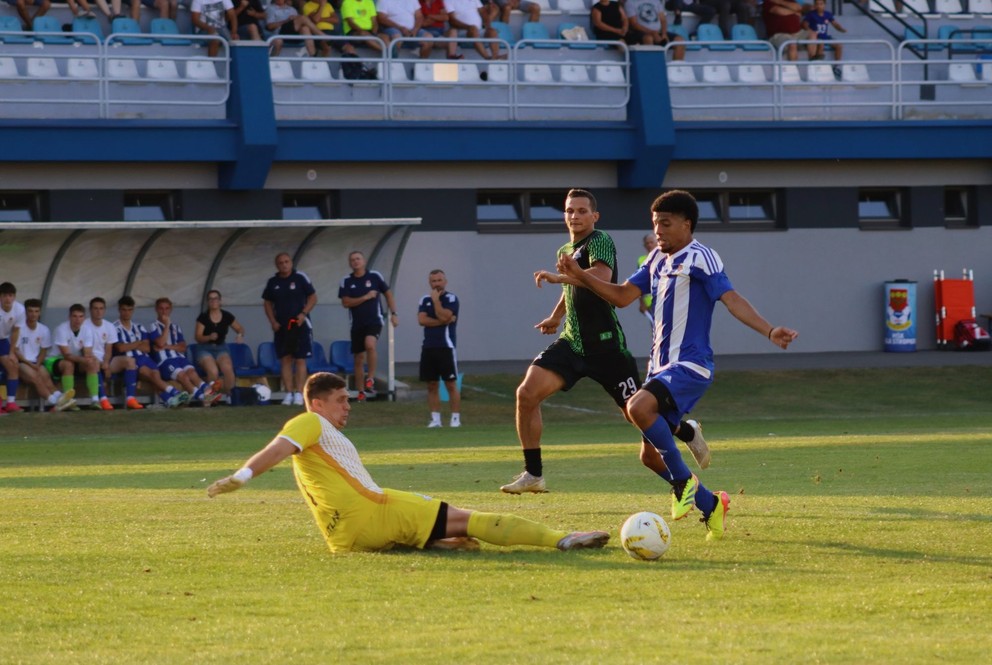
x=591 y=325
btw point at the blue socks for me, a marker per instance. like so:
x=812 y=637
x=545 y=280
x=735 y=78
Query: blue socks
x=660 y=436
x=131 y=382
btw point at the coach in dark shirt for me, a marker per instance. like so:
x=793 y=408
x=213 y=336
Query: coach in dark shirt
x=289 y=298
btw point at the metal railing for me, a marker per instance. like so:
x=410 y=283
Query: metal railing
x=70 y=70
x=498 y=86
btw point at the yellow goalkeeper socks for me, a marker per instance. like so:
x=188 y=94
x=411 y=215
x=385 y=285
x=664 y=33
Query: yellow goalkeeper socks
x=500 y=529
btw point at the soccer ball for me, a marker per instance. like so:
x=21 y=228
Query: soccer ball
x=645 y=536
x=264 y=393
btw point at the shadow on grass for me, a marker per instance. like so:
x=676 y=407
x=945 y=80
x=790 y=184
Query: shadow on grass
x=904 y=556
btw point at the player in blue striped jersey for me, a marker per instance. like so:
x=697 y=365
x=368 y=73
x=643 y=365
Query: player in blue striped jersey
x=133 y=340
x=169 y=351
x=686 y=279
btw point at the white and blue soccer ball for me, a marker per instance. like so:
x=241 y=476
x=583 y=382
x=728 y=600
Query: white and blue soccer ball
x=645 y=536
x=264 y=393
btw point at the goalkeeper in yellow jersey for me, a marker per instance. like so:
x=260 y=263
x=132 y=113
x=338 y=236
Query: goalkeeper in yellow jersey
x=354 y=514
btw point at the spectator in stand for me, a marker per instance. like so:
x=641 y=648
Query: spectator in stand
x=288 y=298
x=32 y=346
x=80 y=8
x=532 y=9
x=214 y=17
x=22 y=10
x=436 y=23
x=282 y=18
x=12 y=319
x=783 y=23
x=609 y=21
x=361 y=18
x=251 y=18
x=649 y=26
x=169 y=351
x=322 y=14
x=403 y=18
x=104 y=334
x=644 y=306
x=476 y=21
x=166 y=8
x=75 y=344
x=212 y=352
x=360 y=292
x=134 y=341
x=704 y=13
x=818 y=23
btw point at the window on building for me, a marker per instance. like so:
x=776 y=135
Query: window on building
x=20 y=207
x=880 y=209
x=149 y=207
x=506 y=211
x=736 y=209
x=958 y=208
x=306 y=205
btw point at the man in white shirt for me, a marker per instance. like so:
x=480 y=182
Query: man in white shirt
x=32 y=347
x=75 y=345
x=404 y=18
x=474 y=19
x=104 y=337
x=11 y=322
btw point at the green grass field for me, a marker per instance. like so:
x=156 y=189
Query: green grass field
x=860 y=531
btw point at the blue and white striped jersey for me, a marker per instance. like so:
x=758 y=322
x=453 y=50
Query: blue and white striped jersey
x=135 y=333
x=174 y=336
x=685 y=286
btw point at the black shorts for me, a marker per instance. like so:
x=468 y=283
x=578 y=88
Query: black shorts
x=297 y=342
x=359 y=333
x=616 y=371
x=438 y=364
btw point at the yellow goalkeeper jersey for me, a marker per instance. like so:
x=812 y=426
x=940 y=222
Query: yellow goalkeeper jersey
x=351 y=510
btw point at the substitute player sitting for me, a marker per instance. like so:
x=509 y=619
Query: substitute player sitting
x=169 y=351
x=354 y=514
x=104 y=337
x=75 y=345
x=32 y=347
x=133 y=342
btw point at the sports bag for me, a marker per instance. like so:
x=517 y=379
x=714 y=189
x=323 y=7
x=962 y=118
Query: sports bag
x=969 y=336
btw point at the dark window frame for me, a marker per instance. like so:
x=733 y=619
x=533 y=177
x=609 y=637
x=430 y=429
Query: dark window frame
x=33 y=203
x=165 y=201
x=523 y=203
x=891 y=197
x=968 y=200
x=723 y=202
x=323 y=201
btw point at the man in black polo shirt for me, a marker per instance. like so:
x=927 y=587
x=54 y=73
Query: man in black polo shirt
x=360 y=292
x=289 y=298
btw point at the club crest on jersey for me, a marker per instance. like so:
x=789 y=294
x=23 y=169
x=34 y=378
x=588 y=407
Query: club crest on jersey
x=292 y=285
x=368 y=284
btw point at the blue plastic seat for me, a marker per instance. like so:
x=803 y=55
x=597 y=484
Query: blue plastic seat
x=267 y=358
x=707 y=32
x=534 y=30
x=90 y=25
x=742 y=32
x=341 y=356
x=50 y=27
x=317 y=362
x=12 y=24
x=166 y=26
x=127 y=25
x=243 y=361
x=504 y=32
x=572 y=43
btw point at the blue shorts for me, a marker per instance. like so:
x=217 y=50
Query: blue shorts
x=171 y=368
x=5 y=346
x=824 y=37
x=144 y=361
x=36 y=3
x=395 y=34
x=215 y=351
x=677 y=390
